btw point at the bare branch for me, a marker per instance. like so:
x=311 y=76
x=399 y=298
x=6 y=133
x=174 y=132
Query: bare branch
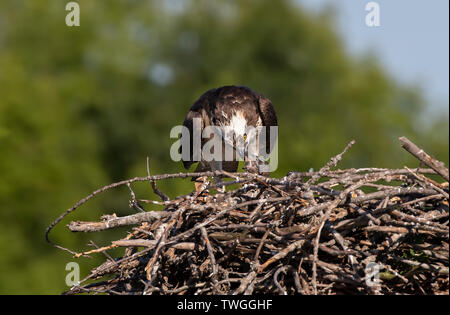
x=424 y=157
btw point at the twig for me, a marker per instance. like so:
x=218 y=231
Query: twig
x=420 y=154
x=333 y=162
x=113 y=221
x=158 y=192
x=212 y=259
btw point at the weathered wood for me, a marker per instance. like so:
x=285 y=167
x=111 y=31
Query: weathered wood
x=424 y=157
x=111 y=221
x=317 y=234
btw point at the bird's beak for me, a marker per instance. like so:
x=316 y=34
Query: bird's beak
x=241 y=147
x=245 y=147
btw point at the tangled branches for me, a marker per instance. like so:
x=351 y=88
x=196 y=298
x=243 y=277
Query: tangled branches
x=322 y=232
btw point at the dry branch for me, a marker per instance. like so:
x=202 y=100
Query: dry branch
x=436 y=165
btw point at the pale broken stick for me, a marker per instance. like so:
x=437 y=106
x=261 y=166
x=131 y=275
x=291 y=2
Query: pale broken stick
x=420 y=154
x=113 y=221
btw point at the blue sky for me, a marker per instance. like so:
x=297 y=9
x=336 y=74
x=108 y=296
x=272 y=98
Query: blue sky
x=412 y=41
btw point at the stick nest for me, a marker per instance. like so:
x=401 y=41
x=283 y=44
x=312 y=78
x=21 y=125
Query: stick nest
x=352 y=231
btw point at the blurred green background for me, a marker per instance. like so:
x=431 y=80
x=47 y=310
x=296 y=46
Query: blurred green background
x=82 y=107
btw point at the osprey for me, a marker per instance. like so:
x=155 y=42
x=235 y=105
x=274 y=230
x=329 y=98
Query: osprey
x=239 y=114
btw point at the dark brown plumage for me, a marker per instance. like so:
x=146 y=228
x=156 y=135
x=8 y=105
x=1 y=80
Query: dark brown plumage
x=237 y=106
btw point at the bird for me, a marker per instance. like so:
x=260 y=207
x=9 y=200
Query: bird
x=237 y=115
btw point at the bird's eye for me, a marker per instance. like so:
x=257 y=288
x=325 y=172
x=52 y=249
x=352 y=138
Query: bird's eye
x=245 y=137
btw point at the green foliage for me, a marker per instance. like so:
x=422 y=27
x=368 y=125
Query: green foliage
x=80 y=106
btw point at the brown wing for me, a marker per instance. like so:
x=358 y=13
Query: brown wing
x=199 y=110
x=269 y=118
